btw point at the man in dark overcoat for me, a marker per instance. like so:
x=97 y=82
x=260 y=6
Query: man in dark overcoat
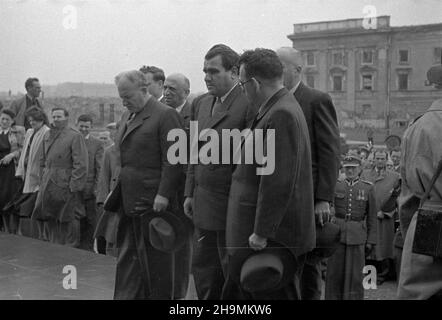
x=146 y=174
x=276 y=204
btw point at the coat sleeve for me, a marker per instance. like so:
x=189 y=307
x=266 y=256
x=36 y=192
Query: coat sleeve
x=170 y=173
x=190 y=175
x=79 y=164
x=276 y=189
x=105 y=177
x=98 y=162
x=327 y=142
x=371 y=217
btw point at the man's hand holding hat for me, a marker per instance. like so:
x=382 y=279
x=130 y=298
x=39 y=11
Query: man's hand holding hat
x=160 y=203
x=257 y=242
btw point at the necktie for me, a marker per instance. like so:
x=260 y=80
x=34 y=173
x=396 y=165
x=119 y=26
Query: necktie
x=216 y=106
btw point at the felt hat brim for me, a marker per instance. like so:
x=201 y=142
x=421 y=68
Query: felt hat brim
x=289 y=261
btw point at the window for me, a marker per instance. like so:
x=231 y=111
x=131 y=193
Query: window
x=403 y=81
x=438 y=55
x=337 y=58
x=367 y=82
x=310 y=79
x=367 y=57
x=403 y=56
x=366 y=109
x=310 y=58
x=337 y=83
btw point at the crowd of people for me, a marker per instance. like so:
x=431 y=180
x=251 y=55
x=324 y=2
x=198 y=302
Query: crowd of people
x=241 y=235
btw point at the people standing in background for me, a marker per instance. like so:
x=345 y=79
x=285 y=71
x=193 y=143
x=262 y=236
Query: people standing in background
x=95 y=151
x=384 y=181
x=155 y=80
x=30 y=99
x=29 y=171
x=107 y=225
x=11 y=144
x=322 y=122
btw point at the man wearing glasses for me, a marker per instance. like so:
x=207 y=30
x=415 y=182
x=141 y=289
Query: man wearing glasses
x=278 y=206
x=207 y=185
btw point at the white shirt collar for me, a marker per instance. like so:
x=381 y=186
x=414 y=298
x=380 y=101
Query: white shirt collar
x=224 y=97
x=87 y=137
x=4 y=131
x=179 y=108
x=293 y=90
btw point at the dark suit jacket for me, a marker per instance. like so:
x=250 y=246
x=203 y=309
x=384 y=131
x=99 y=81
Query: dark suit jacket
x=95 y=152
x=209 y=184
x=142 y=146
x=279 y=205
x=322 y=123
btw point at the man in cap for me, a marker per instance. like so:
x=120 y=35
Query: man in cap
x=421 y=275
x=355 y=214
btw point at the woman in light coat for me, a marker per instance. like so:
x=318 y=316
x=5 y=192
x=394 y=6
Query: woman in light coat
x=29 y=171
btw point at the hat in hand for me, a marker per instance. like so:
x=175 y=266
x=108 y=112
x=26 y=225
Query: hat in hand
x=265 y=270
x=327 y=240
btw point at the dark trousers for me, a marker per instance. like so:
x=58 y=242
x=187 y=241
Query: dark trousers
x=232 y=291
x=209 y=265
x=311 y=278
x=88 y=224
x=142 y=271
x=65 y=233
x=101 y=245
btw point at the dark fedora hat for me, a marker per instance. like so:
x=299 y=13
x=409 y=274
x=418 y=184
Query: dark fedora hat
x=263 y=271
x=327 y=240
x=168 y=231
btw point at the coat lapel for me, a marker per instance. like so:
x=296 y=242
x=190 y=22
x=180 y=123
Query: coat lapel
x=139 y=119
x=52 y=137
x=212 y=121
x=268 y=106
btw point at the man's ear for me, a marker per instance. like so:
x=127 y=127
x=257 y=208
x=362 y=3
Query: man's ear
x=235 y=72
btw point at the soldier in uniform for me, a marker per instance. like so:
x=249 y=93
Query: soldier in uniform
x=355 y=214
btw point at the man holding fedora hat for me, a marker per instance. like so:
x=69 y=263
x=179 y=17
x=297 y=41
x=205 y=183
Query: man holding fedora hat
x=146 y=186
x=270 y=218
x=355 y=214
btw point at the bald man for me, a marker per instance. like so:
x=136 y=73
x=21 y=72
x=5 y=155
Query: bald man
x=176 y=90
x=322 y=123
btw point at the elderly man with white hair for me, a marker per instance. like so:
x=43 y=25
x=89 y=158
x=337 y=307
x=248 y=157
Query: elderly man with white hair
x=322 y=123
x=143 y=271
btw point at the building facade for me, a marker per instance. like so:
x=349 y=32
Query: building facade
x=375 y=73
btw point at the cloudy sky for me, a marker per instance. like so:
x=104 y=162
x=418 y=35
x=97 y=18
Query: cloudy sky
x=40 y=37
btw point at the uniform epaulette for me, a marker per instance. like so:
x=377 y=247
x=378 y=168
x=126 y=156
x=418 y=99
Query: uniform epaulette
x=367 y=182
